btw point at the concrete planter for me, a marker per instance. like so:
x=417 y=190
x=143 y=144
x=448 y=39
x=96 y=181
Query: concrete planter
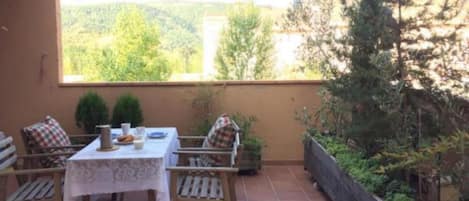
x=338 y=184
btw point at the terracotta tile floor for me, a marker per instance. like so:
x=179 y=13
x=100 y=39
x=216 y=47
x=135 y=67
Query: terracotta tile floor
x=278 y=183
x=273 y=183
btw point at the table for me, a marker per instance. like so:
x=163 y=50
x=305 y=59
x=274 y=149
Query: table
x=126 y=169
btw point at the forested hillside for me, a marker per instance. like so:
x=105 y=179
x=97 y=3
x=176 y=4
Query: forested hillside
x=88 y=30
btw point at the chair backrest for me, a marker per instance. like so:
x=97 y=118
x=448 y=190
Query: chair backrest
x=7 y=152
x=237 y=147
x=39 y=135
x=235 y=154
x=28 y=142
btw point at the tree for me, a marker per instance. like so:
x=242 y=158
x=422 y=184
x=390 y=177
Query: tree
x=388 y=49
x=358 y=65
x=397 y=76
x=133 y=54
x=246 y=48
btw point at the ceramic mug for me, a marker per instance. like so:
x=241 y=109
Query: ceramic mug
x=125 y=128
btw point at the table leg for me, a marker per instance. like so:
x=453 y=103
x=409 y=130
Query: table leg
x=151 y=195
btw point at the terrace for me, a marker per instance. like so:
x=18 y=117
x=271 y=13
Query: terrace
x=302 y=159
x=272 y=183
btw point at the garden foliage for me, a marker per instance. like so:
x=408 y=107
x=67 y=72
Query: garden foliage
x=127 y=110
x=364 y=170
x=246 y=46
x=394 y=78
x=249 y=141
x=133 y=53
x=91 y=111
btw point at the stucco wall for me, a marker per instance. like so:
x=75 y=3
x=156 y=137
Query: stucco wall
x=30 y=89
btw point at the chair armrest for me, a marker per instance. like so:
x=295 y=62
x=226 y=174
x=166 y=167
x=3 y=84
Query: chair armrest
x=191 y=137
x=83 y=135
x=33 y=171
x=60 y=147
x=202 y=152
x=203 y=149
x=201 y=169
x=31 y=156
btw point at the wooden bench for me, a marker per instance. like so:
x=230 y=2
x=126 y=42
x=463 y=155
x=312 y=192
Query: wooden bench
x=195 y=179
x=34 y=184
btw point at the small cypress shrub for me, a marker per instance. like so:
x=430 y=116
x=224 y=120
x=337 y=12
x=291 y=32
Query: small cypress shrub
x=91 y=111
x=127 y=109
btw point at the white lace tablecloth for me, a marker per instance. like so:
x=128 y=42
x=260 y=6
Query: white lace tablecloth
x=91 y=172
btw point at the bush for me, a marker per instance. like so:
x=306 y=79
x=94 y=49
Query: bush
x=127 y=109
x=254 y=145
x=364 y=170
x=91 y=111
x=250 y=142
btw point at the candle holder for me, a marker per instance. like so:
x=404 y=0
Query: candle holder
x=105 y=138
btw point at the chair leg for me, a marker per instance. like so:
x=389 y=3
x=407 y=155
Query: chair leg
x=58 y=187
x=113 y=196
x=121 y=196
x=3 y=188
x=86 y=198
x=233 y=178
x=151 y=195
x=225 y=182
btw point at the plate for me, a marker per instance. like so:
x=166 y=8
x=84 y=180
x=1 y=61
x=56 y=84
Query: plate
x=157 y=135
x=115 y=141
x=115 y=135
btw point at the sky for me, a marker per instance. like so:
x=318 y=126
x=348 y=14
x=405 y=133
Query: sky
x=273 y=3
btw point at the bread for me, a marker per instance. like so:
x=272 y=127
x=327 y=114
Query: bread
x=125 y=138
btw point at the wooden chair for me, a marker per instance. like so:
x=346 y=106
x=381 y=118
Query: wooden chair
x=43 y=184
x=32 y=148
x=193 y=179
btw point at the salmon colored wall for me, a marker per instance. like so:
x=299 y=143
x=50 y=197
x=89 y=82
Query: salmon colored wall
x=30 y=89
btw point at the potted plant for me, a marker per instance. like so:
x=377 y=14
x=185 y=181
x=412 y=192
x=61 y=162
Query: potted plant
x=251 y=157
x=127 y=110
x=91 y=111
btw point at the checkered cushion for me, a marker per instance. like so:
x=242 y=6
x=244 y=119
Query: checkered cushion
x=49 y=133
x=221 y=135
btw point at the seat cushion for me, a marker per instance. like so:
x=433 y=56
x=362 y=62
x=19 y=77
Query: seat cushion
x=221 y=135
x=48 y=133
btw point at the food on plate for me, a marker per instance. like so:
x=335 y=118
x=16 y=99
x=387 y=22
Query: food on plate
x=125 y=138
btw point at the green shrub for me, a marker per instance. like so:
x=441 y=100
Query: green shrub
x=363 y=170
x=250 y=142
x=254 y=145
x=127 y=109
x=398 y=197
x=204 y=104
x=91 y=111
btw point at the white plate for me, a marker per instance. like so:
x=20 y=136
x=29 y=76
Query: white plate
x=121 y=143
x=157 y=135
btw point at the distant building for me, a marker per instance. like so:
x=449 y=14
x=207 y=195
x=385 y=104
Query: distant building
x=212 y=27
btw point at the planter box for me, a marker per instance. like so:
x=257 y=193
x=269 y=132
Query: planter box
x=337 y=184
x=250 y=162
